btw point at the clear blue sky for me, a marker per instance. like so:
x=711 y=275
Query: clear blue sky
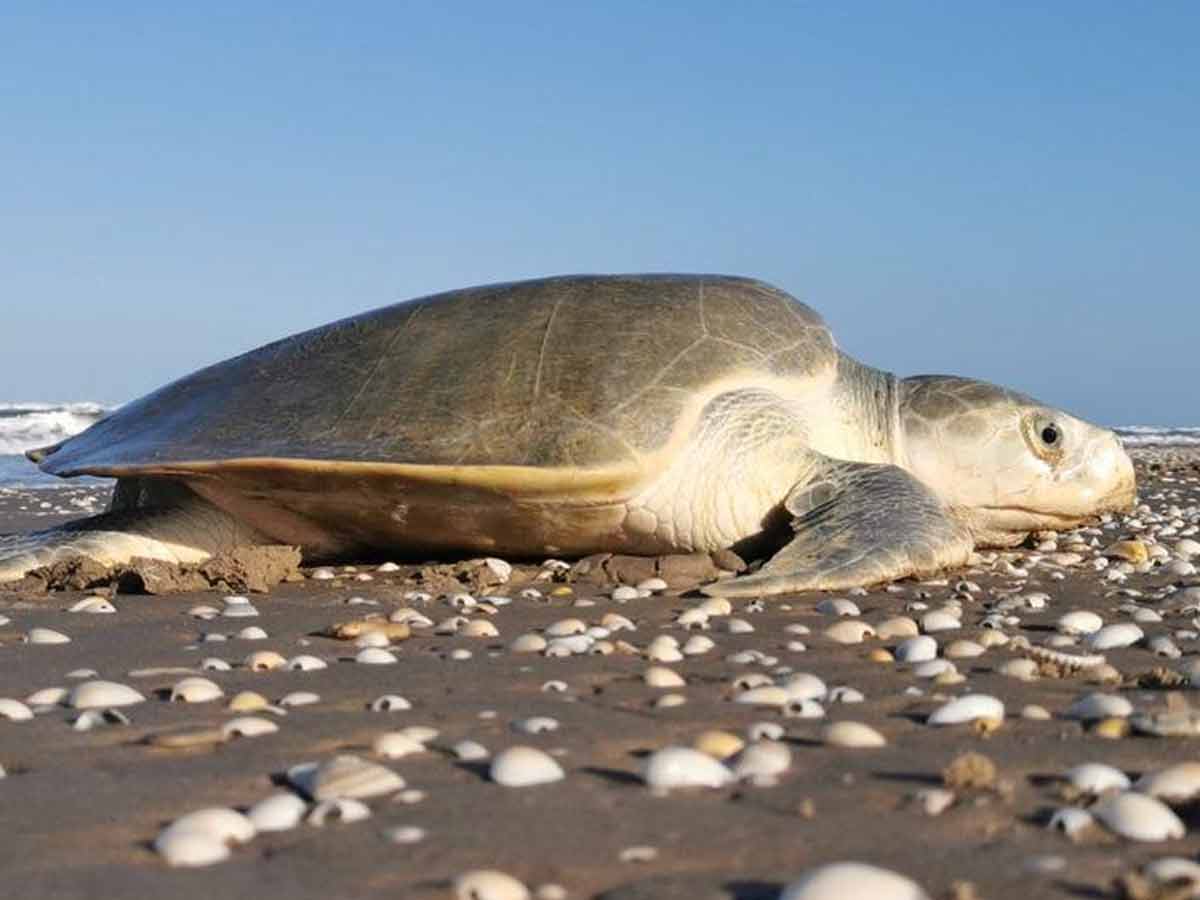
x=1008 y=191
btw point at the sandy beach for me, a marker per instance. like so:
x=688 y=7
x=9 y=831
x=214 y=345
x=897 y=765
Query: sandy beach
x=82 y=808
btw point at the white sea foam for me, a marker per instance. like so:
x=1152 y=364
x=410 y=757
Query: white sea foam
x=25 y=426
x=1154 y=436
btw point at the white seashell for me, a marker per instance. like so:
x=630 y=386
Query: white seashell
x=935 y=801
x=390 y=703
x=843 y=694
x=15 y=710
x=804 y=709
x=617 y=622
x=345 y=776
x=738 y=626
x=375 y=656
x=662 y=677
x=717 y=606
x=1071 y=821
x=1079 y=622
x=1091 y=707
x=223 y=825
x=697 y=644
x=762 y=761
x=524 y=767
x=92 y=605
x=191 y=848
x=195 y=690
x=480 y=628
x=489 y=884
x=93 y=718
x=1138 y=817
x=805 y=686
x=396 y=744
x=569 y=646
x=918 y=649
x=654 y=585
x=683 y=767
x=692 y=618
x=897 y=627
x=279 y=812
x=388 y=567
x=933 y=668
x=765 y=731
x=306 y=663
x=204 y=612
x=968 y=708
x=101 y=695
x=852 y=734
x=535 y=725
x=470 y=751
x=299 y=698
x=339 y=809
x=1097 y=778
x=964 y=650
x=83 y=673
x=264 y=661
x=46 y=636
x=527 y=643
x=1035 y=713
x=252 y=633
x=766 y=695
x=838 y=606
x=663 y=648
x=1174 y=868
x=844 y=880
x=849 y=631
x=1022 y=669
x=51 y=696
x=1175 y=784
x=623 y=593
x=239 y=608
x=213 y=664
x=248 y=726
x=1111 y=637
x=939 y=620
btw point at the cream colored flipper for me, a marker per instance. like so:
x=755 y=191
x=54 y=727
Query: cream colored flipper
x=857 y=524
x=175 y=526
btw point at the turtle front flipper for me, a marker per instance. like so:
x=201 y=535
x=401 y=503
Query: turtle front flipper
x=857 y=524
x=157 y=521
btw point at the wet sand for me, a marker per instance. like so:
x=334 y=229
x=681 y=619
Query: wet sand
x=80 y=808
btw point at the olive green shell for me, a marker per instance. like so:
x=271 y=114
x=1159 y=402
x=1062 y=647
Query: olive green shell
x=569 y=372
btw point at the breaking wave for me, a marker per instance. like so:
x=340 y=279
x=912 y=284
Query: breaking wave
x=1153 y=436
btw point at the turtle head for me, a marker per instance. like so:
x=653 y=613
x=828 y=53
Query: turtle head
x=1007 y=463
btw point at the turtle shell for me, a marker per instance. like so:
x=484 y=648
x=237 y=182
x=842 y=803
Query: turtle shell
x=566 y=373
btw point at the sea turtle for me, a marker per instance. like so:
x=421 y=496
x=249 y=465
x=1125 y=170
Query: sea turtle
x=639 y=414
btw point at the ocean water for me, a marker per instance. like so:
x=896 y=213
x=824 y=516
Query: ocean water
x=25 y=426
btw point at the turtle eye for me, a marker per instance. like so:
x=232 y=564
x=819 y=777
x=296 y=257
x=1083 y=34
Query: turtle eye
x=1046 y=437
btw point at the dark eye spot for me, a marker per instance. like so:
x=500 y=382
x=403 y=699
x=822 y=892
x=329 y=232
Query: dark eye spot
x=1050 y=435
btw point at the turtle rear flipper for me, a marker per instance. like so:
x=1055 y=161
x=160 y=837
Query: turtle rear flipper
x=857 y=524
x=169 y=523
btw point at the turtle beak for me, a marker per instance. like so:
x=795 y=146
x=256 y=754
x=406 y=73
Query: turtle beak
x=1123 y=495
